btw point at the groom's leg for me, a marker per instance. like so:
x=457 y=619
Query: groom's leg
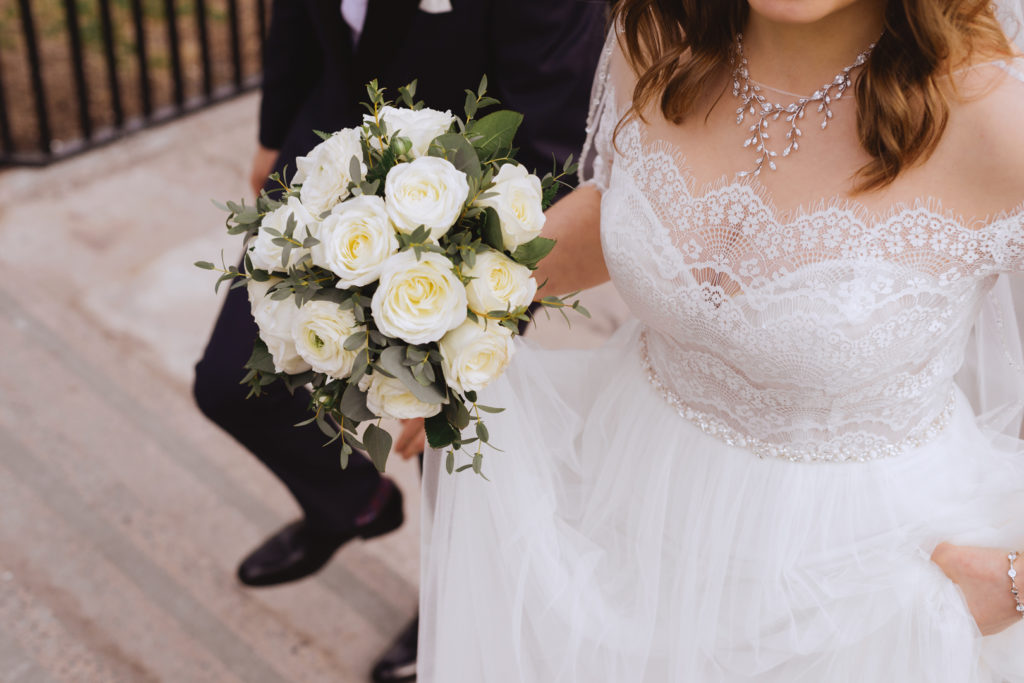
x=331 y=497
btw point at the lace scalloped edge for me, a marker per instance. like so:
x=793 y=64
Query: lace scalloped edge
x=650 y=146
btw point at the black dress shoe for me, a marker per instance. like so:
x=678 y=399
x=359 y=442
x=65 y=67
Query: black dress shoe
x=300 y=549
x=399 y=662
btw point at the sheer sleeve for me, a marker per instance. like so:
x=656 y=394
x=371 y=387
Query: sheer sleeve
x=992 y=376
x=993 y=371
x=598 y=153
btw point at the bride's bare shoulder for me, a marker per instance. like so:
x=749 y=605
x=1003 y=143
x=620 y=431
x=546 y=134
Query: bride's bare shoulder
x=986 y=130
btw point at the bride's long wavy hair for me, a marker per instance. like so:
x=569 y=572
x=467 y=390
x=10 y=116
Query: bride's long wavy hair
x=678 y=49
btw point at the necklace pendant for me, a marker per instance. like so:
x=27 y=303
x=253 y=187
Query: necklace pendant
x=756 y=105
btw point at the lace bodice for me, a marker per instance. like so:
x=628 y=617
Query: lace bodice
x=829 y=333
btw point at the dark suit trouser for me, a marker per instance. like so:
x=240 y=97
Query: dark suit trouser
x=329 y=496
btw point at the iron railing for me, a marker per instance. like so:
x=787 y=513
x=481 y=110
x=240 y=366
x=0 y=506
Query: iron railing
x=78 y=73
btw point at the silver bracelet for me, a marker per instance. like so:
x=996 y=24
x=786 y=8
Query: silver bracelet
x=1012 y=557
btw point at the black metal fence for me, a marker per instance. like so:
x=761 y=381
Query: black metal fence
x=77 y=73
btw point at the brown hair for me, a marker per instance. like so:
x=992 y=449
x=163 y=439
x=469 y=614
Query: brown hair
x=678 y=48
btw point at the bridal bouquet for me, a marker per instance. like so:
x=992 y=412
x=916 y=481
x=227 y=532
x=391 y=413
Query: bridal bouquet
x=391 y=274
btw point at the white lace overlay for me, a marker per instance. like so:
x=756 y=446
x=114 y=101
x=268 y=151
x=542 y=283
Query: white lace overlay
x=826 y=334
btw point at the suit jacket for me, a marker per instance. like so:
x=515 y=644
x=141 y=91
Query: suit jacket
x=539 y=57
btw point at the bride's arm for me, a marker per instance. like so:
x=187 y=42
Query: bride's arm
x=576 y=262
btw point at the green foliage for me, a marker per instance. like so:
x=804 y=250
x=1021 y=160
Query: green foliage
x=378 y=445
x=408 y=95
x=457 y=150
x=393 y=361
x=493 y=134
x=554 y=181
x=353 y=404
x=531 y=253
x=260 y=367
x=419 y=241
x=491 y=229
x=439 y=432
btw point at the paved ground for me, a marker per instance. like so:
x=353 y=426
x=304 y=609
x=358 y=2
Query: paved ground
x=123 y=512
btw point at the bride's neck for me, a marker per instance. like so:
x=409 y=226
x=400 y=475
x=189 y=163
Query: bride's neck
x=800 y=57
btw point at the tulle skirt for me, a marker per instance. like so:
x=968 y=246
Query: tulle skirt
x=614 y=541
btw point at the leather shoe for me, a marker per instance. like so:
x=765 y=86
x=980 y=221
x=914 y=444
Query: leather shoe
x=300 y=549
x=399 y=662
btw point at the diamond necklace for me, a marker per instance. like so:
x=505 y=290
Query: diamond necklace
x=758 y=107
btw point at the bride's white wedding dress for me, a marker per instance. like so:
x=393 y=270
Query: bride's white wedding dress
x=746 y=483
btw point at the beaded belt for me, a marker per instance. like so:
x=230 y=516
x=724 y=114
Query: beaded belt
x=852 y=449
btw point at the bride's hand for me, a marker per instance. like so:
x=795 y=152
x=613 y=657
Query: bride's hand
x=412 y=439
x=981 y=573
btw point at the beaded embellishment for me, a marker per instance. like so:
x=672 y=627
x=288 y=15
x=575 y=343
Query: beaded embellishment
x=837 y=450
x=1012 y=557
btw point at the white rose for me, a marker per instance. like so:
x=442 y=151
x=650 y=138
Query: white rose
x=420 y=126
x=518 y=199
x=388 y=397
x=498 y=283
x=473 y=355
x=418 y=301
x=324 y=172
x=428 y=191
x=274 y=319
x=355 y=240
x=320 y=330
x=265 y=255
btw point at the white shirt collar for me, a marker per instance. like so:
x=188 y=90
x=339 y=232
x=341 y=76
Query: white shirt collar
x=354 y=13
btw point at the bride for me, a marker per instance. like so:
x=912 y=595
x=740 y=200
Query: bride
x=773 y=474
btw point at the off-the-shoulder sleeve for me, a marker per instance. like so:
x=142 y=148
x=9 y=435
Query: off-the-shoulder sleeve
x=1005 y=238
x=1006 y=233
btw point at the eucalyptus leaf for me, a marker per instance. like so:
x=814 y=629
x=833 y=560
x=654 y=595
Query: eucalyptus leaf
x=531 y=253
x=359 y=365
x=471 y=104
x=293 y=382
x=353 y=404
x=378 y=445
x=325 y=427
x=579 y=308
x=355 y=341
x=491 y=230
x=391 y=360
x=457 y=149
x=260 y=359
x=457 y=414
x=352 y=441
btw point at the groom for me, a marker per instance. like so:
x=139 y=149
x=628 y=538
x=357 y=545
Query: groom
x=539 y=57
